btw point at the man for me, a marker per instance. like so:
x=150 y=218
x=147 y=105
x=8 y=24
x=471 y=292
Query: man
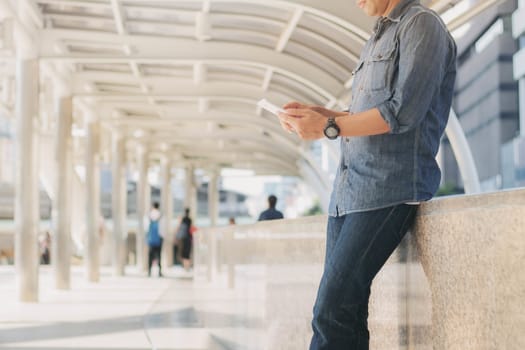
x=401 y=98
x=154 y=237
x=271 y=213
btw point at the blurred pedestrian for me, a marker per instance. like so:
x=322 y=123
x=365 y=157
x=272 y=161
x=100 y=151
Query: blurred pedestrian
x=45 y=246
x=185 y=239
x=154 y=238
x=271 y=213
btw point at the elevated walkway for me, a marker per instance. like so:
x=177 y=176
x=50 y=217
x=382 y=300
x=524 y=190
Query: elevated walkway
x=125 y=313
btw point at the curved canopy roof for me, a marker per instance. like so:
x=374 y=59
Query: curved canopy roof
x=184 y=76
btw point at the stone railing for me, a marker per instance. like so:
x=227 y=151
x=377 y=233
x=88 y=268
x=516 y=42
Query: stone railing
x=456 y=282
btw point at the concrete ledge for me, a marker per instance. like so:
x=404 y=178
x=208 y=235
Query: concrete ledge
x=455 y=283
x=472 y=249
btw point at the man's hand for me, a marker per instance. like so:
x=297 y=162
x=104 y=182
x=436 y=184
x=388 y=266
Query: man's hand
x=305 y=121
x=319 y=109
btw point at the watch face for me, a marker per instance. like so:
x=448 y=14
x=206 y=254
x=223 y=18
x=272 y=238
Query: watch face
x=331 y=132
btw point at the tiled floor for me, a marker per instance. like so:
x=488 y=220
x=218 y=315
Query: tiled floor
x=132 y=312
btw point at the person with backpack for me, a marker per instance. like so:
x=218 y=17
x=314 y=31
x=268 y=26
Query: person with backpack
x=154 y=238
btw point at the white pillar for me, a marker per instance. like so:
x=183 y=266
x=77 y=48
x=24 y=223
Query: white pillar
x=142 y=206
x=118 y=204
x=213 y=199
x=26 y=188
x=190 y=199
x=92 y=253
x=166 y=209
x=213 y=206
x=2 y=159
x=61 y=251
x=169 y=218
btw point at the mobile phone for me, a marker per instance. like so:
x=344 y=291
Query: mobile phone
x=270 y=107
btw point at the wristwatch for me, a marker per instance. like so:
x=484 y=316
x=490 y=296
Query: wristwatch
x=331 y=130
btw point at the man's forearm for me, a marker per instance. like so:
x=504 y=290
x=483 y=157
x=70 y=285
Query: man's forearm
x=366 y=123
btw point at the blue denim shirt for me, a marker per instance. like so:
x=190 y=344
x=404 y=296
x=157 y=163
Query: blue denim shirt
x=407 y=71
x=270 y=214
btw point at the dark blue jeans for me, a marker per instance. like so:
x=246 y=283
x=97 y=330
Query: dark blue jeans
x=357 y=246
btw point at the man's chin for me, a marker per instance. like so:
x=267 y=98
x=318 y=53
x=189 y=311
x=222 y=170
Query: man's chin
x=366 y=10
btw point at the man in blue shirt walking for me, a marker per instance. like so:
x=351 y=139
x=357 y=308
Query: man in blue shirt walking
x=271 y=213
x=401 y=97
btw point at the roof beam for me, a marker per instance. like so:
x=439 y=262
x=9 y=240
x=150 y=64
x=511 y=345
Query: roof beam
x=199 y=73
x=118 y=14
x=337 y=12
x=188 y=51
x=91 y=4
x=116 y=7
x=34 y=13
x=206 y=5
x=218 y=90
x=288 y=31
x=267 y=79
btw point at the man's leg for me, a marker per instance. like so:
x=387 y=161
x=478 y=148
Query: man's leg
x=358 y=245
x=151 y=252
x=159 y=256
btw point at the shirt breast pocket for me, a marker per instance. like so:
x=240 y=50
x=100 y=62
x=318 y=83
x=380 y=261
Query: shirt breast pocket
x=381 y=66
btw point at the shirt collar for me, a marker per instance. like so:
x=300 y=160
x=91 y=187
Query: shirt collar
x=400 y=9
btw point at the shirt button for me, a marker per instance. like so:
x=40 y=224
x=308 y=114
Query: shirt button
x=347 y=139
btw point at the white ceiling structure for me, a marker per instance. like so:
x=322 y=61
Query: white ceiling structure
x=184 y=76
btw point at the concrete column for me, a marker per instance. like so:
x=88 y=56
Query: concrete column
x=118 y=203
x=190 y=199
x=92 y=254
x=2 y=159
x=26 y=194
x=213 y=206
x=142 y=206
x=170 y=236
x=103 y=235
x=124 y=215
x=213 y=199
x=166 y=209
x=61 y=250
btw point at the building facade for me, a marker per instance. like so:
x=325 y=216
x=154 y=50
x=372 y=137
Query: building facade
x=486 y=97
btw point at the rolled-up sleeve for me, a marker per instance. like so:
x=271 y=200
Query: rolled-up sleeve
x=424 y=57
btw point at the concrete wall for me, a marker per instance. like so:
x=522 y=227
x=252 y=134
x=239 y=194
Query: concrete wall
x=454 y=283
x=472 y=250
